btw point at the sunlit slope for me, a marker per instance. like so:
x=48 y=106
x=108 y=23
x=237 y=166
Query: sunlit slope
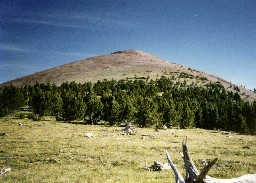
x=127 y=64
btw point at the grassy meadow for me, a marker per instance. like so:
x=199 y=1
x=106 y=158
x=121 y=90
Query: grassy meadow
x=50 y=151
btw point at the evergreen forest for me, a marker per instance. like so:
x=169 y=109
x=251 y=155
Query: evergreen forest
x=154 y=103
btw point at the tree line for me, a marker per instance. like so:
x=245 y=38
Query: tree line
x=158 y=103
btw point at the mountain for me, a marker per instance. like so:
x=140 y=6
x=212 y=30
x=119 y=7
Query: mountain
x=125 y=64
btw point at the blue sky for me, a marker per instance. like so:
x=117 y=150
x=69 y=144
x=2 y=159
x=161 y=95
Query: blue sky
x=214 y=36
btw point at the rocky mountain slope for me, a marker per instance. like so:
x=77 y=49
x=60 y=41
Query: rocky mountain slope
x=127 y=64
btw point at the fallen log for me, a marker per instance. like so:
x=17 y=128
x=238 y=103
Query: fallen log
x=194 y=176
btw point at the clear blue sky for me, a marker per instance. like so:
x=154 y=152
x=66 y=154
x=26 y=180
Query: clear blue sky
x=214 y=36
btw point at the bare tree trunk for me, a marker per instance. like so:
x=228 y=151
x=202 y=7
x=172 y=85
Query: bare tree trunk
x=193 y=175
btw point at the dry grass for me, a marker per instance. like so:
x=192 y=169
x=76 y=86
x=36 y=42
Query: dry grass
x=30 y=150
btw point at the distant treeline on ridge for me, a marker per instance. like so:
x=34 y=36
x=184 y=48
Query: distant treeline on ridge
x=145 y=103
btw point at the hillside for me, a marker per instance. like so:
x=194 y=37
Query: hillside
x=125 y=64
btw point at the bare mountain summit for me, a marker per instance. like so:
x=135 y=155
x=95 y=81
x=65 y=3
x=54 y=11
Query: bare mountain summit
x=125 y=64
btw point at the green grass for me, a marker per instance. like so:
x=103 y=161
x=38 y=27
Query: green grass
x=110 y=156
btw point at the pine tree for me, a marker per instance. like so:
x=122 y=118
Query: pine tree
x=73 y=106
x=94 y=109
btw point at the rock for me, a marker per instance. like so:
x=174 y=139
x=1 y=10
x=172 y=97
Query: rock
x=5 y=170
x=3 y=134
x=89 y=135
x=158 y=166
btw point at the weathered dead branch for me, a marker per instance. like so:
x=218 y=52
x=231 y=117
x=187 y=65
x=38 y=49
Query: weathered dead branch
x=193 y=175
x=129 y=129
